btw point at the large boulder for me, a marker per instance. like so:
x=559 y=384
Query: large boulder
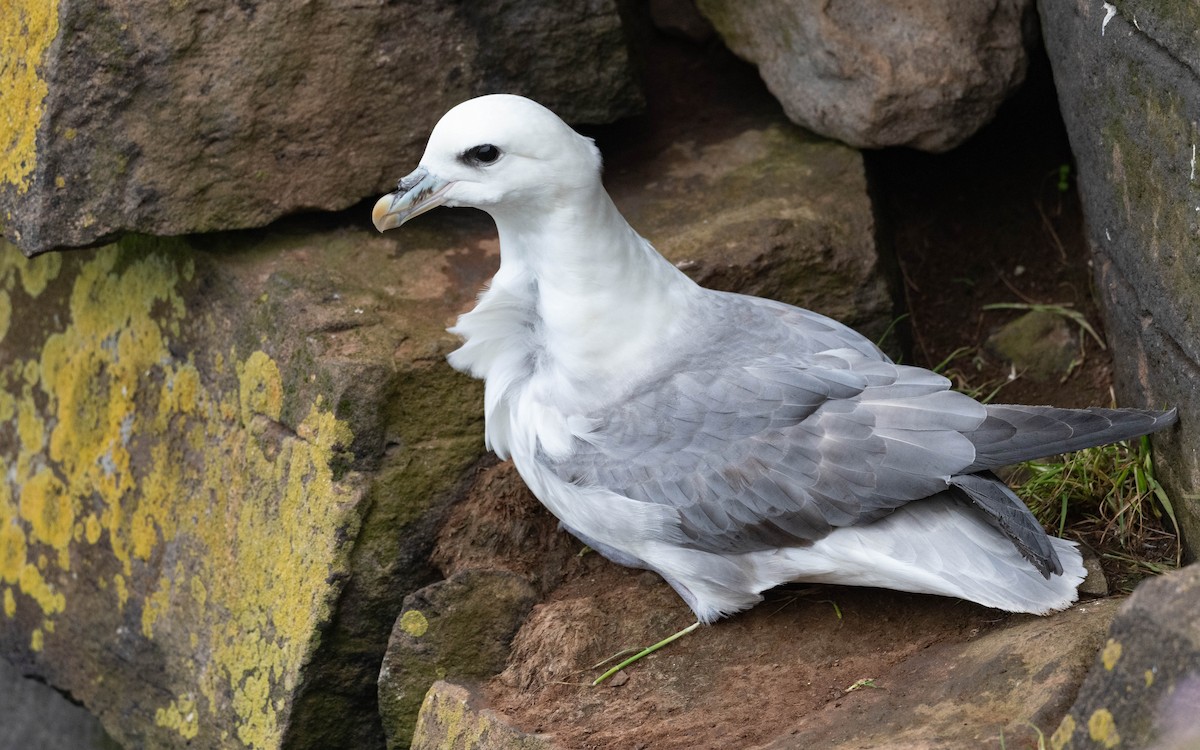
x=225 y=463
x=1128 y=77
x=193 y=117
x=893 y=73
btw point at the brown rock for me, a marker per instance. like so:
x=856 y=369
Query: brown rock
x=193 y=117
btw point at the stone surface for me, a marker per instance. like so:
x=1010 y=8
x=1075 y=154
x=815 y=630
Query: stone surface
x=35 y=717
x=895 y=73
x=1129 y=86
x=876 y=669
x=1143 y=690
x=226 y=462
x=463 y=626
x=450 y=719
x=1040 y=344
x=193 y=117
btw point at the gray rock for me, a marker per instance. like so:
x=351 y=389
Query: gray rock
x=894 y=73
x=459 y=628
x=203 y=116
x=35 y=717
x=1040 y=344
x=1143 y=690
x=1129 y=86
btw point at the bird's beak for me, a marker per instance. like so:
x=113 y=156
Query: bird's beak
x=416 y=194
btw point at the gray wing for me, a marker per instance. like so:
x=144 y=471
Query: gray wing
x=771 y=453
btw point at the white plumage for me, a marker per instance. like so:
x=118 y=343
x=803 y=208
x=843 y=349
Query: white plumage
x=727 y=442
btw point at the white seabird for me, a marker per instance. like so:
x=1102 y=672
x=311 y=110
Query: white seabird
x=729 y=443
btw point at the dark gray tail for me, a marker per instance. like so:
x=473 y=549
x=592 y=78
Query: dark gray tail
x=1014 y=433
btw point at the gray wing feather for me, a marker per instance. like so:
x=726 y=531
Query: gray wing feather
x=1014 y=433
x=1005 y=511
x=773 y=455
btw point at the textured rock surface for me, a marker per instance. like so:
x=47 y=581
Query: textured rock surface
x=1143 y=690
x=1129 y=86
x=35 y=717
x=895 y=73
x=877 y=670
x=451 y=719
x=463 y=626
x=204 y=443
x=201 y=116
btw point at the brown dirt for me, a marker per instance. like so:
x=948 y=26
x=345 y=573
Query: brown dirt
x=961 y=225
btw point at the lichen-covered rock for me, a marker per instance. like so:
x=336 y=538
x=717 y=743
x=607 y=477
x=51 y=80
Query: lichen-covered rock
x=461 y=626
x=894 y=73
x=1128 y=80
x=1143 y=690
x=450 y=720
x=170 y=118
x=204 y=442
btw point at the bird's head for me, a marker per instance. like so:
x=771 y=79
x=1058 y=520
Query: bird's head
x=498 y=152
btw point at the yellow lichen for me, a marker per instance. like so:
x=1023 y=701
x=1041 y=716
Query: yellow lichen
x=1111 y=653
x=47 y=507
x=261 y=390
x=1102 y=728
x=180 y=716
x=26 y=31
x=1062 y=736
x=36 y=587
x=12 y=552
x=414 y=623
x=37 y=640
x=10 y=604
x=1149 y=677
x=92 y=529
x=5 y=313
x=37 y=273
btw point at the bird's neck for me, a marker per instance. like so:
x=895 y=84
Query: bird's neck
x=604 y=297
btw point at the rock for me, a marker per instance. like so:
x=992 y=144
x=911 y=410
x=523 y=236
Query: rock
x=35 y=717
x=201 y=116
x=451 y=720
x=1143 y=690
x=226 y=462
x=1040 y=344
x=877 y=669
x=875 y=74
x=1128 y=83
x=461 y=626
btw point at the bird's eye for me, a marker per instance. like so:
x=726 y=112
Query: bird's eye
x=485 y=154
